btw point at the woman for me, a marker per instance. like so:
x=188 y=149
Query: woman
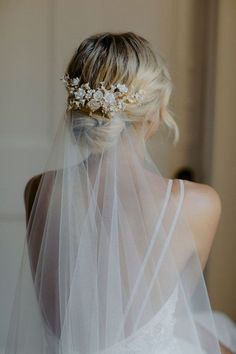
x=115 y=252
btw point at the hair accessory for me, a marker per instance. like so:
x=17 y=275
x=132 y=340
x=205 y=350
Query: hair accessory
x=101 y=99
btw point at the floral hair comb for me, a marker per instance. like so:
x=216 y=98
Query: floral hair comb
x=91 y=100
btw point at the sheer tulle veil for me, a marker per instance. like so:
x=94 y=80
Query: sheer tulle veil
x=109 y=262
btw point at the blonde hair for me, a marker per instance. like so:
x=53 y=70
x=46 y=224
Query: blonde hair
x=125 y=58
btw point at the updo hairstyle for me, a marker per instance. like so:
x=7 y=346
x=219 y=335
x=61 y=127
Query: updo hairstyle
x=125 y=58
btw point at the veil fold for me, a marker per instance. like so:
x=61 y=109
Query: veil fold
x=109 y=263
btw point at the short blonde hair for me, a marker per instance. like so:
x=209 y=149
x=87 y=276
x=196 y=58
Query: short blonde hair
x=126 y=58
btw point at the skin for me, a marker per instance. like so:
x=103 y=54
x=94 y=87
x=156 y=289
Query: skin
x=202 y=207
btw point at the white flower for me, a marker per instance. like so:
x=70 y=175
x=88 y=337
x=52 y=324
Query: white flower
x=98 y=95
x=75 y=81
x=93 y=104
x=109 y=97
x=122 y=88
x=79 y=94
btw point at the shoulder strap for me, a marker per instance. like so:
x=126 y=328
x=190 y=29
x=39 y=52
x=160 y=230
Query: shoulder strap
x=181 y=182
x=150 y=246
x=167 y=241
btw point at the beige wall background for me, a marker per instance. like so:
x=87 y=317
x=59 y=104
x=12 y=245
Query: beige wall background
x=221 y=269
x=37 y=38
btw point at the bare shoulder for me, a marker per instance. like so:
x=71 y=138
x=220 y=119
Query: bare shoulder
x=34 y=181
x=202 y=198
x=202 y=208
x=31 y=188
x=32 y=184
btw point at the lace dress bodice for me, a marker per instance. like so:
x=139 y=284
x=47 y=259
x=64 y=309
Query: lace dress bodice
x=154 y=337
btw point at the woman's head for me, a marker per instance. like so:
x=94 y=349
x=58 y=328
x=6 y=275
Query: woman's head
x=126 y=58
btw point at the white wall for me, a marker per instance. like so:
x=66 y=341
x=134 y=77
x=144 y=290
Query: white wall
x=221 y=270
x=25 y=126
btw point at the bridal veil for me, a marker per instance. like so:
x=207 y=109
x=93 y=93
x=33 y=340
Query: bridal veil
x=109 y=263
